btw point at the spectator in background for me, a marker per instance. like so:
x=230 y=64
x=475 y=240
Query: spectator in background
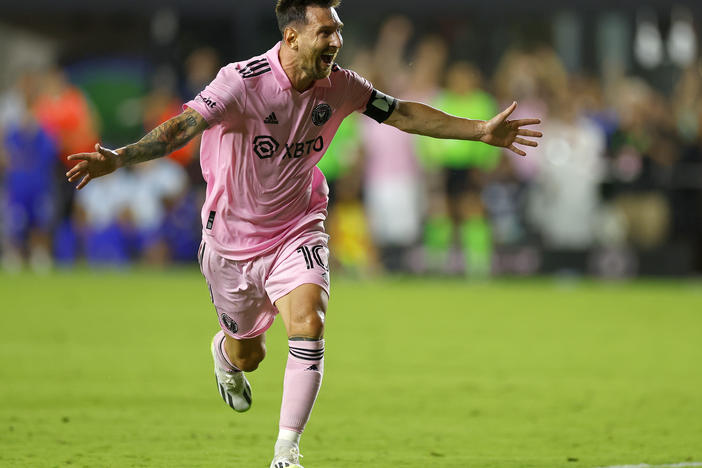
x=164 y=214
x=13 y=101
x=642 y=151
x=104 y=223
x=28 y=160
x=565 y=175
x=687 y=199
x=161 y=104
x=201 y=67
x=348 y=228
x=458 y=216
x=66 y=114
x=181 y=228
x=393 y=181
x=13 y=109
x=517 y=77
x=159 y=187
x=564 y=199
x=133 y=216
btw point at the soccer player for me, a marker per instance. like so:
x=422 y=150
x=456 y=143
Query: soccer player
x=265 y=123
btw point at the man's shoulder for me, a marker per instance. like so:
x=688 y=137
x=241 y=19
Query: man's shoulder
x=341 y=76
x=249 y=68
x=338 y=71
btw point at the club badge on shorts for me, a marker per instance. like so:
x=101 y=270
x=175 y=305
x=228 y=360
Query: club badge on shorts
x=229 y=323
x=321 y=114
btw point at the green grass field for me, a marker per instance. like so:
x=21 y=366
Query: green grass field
x=113 y=370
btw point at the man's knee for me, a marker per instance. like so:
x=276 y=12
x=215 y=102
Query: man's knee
x=303 y=311
x=308 y=324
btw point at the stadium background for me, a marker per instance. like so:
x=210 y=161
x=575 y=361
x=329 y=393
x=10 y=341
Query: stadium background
x=562 y=288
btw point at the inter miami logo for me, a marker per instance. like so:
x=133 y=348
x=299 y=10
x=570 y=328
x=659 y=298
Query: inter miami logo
x=321 y=114
x=265 y=146
x=229 y=323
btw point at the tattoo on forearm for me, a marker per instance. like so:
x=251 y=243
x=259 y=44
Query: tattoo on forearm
x=162 y=140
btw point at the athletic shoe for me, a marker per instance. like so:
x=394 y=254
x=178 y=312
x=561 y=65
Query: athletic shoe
x=288 y=457
x=233 y=386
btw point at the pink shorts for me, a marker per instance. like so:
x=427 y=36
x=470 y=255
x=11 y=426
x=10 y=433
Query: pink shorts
x=243 y=292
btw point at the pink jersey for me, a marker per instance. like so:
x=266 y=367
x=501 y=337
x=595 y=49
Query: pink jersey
x=260 y=152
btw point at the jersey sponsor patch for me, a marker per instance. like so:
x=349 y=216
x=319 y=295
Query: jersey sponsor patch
x=265 y=146
x=380 y=106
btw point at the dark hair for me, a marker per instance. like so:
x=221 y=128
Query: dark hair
x=295 y=11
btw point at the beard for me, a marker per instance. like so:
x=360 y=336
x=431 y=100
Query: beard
x=317 y=68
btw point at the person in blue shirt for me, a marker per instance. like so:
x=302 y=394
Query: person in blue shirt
x=27 y=190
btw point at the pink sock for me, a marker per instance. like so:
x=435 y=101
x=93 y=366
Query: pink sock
x=303 y=377
x=221 y=356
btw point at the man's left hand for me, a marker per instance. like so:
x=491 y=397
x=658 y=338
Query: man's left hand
x=505 y=133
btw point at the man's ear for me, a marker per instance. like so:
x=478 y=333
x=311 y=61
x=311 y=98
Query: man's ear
x=290 y=36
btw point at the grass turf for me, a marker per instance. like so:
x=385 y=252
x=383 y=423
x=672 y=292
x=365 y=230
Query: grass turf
x=113 y=370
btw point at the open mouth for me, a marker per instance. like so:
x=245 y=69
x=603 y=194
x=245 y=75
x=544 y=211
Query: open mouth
x=328 y=59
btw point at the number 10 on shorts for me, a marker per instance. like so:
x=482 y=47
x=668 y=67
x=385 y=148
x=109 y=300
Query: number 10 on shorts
x=312 y=256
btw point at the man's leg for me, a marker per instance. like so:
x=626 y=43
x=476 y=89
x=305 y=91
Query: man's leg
x=244 y=312
x=232 y=358
x=303 y=311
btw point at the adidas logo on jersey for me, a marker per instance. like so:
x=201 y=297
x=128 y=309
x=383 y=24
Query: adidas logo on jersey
x=271 y=119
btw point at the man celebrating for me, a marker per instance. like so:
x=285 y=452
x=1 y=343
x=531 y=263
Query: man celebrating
x=266 y=122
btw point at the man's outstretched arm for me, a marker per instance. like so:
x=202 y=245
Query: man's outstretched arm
x=162 y=140
x=415 y=117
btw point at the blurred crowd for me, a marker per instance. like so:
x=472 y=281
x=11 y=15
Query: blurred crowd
x=618 y=171
x=147 y=213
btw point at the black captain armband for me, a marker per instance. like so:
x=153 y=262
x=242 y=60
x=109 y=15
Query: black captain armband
x=380 y=106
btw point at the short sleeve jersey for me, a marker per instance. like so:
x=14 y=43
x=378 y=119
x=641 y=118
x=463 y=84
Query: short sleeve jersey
x=259 y=154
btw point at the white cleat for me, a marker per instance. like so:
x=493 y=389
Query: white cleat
x=233 y=386
x=287 y=458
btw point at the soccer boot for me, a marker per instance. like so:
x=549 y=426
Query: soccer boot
x=287 y=457
x=233 y=386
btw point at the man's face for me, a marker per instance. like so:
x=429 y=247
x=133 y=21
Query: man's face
x=319 y=41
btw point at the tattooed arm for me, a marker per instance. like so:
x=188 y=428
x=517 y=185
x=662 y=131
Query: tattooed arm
x=162 y=140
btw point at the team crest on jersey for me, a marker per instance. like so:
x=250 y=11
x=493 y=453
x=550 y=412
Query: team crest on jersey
x=229 y=323
x=321 y=114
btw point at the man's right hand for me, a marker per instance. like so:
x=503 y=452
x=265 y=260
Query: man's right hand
x=92 y=165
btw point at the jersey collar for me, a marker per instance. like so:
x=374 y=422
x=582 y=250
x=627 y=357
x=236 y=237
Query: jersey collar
x=279 y=73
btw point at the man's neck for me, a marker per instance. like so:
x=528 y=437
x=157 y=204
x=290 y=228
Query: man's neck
x=288 y=60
